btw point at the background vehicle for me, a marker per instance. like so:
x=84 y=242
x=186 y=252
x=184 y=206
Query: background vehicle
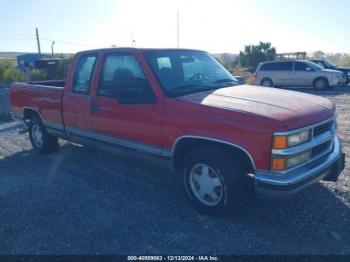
x=240 y=79
x=328 y=65
x=224 y=139
x=297 y=73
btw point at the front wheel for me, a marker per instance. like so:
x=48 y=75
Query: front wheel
x=40 y=139
x=215 y=182
x=321 y=84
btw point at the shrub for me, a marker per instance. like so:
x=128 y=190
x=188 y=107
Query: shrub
x=38 y=75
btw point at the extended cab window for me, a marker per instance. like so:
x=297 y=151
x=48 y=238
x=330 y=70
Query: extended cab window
x=121 y=72
x=83 y=73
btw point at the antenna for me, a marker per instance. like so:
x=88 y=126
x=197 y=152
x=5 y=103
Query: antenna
x=178 y=28
x=133 y=41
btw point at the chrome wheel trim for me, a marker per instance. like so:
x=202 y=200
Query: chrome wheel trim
x=206 y=185
x=37 y=136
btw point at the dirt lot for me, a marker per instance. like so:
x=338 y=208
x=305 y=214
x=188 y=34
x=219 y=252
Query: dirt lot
x=80 y=201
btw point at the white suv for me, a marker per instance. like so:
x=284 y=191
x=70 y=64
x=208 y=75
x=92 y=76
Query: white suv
x=297 y=73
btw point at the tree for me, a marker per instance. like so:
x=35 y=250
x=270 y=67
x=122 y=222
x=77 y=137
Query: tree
x=319 y=55
x=340 y=59
x=255 y=54
x=9 y=73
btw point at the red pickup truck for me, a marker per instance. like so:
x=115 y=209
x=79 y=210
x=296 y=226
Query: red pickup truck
x=226 y=140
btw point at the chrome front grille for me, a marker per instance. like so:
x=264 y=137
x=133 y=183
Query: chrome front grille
x=320 y=149
x=323 y=128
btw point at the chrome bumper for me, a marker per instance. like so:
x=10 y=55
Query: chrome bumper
x=275 y=185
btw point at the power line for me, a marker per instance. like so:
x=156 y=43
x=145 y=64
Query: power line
x=69 y=43
x=50 y=40
x=17 y=38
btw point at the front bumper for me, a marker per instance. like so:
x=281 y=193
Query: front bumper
x=335 y=81
x=339 y=83
x=329 y=167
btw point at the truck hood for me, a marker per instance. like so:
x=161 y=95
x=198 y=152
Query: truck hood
x=293 y=109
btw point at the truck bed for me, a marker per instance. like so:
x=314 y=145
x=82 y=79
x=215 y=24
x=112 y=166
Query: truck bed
x=45 y=97
x=52 y=83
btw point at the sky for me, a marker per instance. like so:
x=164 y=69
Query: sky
x=216 y=26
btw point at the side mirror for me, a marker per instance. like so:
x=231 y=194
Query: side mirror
x=136 y=96
x=309 y=69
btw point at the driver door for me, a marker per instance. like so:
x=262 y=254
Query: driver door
x=132 y=124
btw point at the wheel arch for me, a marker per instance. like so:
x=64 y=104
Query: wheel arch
x=29 y=113
x=185 y=144
x=320 y=77
x=267 y=78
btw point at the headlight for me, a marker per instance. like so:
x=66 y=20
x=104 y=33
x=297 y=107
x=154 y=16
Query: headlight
x=298 y=159
x=280 y=164
x=283 y=142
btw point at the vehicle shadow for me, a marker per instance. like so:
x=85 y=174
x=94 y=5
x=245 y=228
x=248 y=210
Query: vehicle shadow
x=98 y=202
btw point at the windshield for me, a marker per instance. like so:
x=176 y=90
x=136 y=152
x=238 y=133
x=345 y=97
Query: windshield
x=184 y=72
x=329 y=64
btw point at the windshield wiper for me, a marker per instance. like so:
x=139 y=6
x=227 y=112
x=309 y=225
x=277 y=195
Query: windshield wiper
x=191 y=88
x=225 y=80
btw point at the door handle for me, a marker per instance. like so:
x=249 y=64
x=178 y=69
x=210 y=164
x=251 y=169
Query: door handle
x=95 y=108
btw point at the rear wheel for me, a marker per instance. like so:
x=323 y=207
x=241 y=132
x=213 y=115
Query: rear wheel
x=321 y=84
x=267 y=82
x=215 y=182
x=40 y=139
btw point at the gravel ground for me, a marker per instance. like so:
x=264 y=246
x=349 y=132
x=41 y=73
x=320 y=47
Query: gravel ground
x=83 y=201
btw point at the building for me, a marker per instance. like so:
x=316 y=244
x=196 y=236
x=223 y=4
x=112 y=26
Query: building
x=27 y=58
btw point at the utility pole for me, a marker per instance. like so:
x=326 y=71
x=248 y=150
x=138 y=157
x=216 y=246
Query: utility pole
x=52 y=44
x=38 y=41
x=178 y=28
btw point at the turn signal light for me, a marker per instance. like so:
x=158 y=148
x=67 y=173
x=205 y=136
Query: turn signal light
x=278 y=164
x=280 y=142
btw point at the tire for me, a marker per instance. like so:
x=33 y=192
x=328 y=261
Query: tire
x=321 y=84
x=225 y=186
x=40 y=139
x=266 y=82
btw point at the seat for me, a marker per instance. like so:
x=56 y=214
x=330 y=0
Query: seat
x=122 y=79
